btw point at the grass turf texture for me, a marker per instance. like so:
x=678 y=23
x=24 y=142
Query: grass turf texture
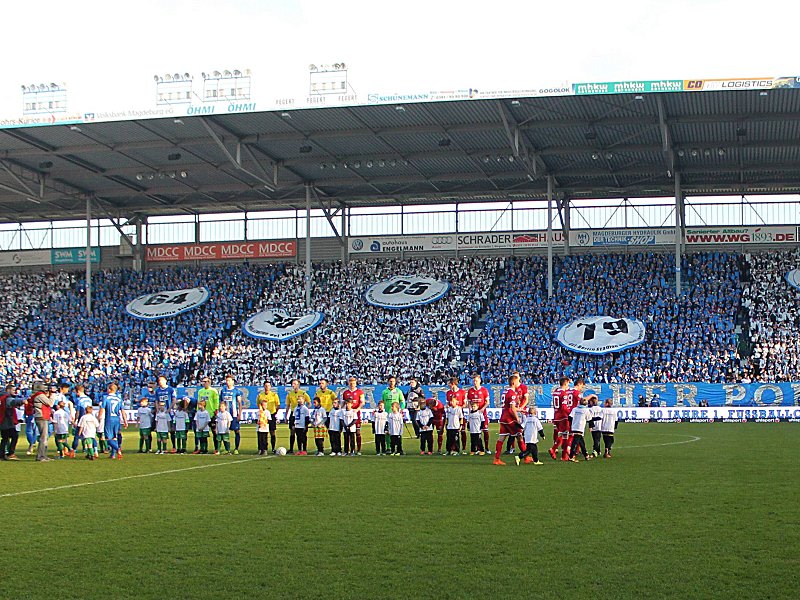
x=711 y=518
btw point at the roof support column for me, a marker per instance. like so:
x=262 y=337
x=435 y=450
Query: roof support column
x=138 y=250
x=308 y=245
x=549 y=236
x=345 y=234
x=88 y=255
x=678 y=231
x=565 y=223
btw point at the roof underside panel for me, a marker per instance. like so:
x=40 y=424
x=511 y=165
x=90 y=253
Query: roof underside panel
x=593 y=146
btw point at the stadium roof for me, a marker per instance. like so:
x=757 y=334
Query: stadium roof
x=594 y=146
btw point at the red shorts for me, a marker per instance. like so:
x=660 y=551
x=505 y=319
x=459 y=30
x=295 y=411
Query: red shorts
x=439 y=427
x=512 y=429
x=562 y=426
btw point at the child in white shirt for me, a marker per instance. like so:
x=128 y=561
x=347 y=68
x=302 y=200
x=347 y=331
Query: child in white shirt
x=350 y=426
x=301 y=418
x=425 y=421
x=380 y=426
x=87 y=429
x=61 y=419
x=163 y=420
x=532 y=432
x=181 y=418
x=144 y=417
x=454 y=416
x=202 y=427
x=475 y=421
x=335 y=429
x=608 y=425
x=224 y=420
x=579 y=416
x=396 y=430
x=594 y=419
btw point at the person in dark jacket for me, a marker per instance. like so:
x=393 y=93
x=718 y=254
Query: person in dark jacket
x=8 y=422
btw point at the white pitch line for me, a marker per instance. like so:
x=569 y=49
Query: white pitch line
x=128 y=477
x=693 y=438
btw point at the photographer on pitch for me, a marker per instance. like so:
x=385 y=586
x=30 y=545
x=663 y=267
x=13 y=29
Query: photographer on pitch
x=42 y=411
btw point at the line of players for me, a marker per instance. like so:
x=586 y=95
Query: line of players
x=464 y=411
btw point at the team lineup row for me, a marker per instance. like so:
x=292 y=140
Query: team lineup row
x=216 y=414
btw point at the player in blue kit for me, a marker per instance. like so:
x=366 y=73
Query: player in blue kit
x=166 y=395
x=235 y=400
x=113 y=415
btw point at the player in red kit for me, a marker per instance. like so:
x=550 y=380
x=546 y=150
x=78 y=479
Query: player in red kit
x=510 y=420
x=480 y=395
x=356 y=397
x=563 y=403
x=522 y=408
x=460 y=397
x=437 y=408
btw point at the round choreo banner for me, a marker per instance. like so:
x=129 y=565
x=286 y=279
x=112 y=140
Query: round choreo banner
x=793 y=278
x=405 y=291
x=166 y=304
x=601 y=335
x=278 y=325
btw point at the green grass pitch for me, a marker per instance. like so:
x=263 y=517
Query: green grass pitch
x=669 y=516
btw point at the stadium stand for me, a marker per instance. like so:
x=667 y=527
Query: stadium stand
x=58 y=342
x=26 y=292
x=691 y=340
x=773 y=308
x=695 y=339
x=356 y=338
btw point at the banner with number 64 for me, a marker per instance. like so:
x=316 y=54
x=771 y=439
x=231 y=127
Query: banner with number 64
x=167 y=303
x=405 y=291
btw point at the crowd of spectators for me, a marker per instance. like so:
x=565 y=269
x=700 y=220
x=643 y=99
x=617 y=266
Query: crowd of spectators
x=57 y=341
x=773 y=307
x=359 y=339
x=24 y=292
x=692 y=339
x=44 y=331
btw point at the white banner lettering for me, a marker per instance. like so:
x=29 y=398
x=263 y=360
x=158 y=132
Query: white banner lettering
x=578 y=238
x=278 y=325
x=405 y=291
x=409 y=243
x=601 y=335
x=167 y=304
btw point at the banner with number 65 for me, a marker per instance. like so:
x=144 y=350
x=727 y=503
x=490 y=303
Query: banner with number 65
x=166 y=304
x=405 y=291
x=601 y=335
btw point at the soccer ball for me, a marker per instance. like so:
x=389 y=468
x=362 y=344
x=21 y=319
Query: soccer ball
x=281 y=451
